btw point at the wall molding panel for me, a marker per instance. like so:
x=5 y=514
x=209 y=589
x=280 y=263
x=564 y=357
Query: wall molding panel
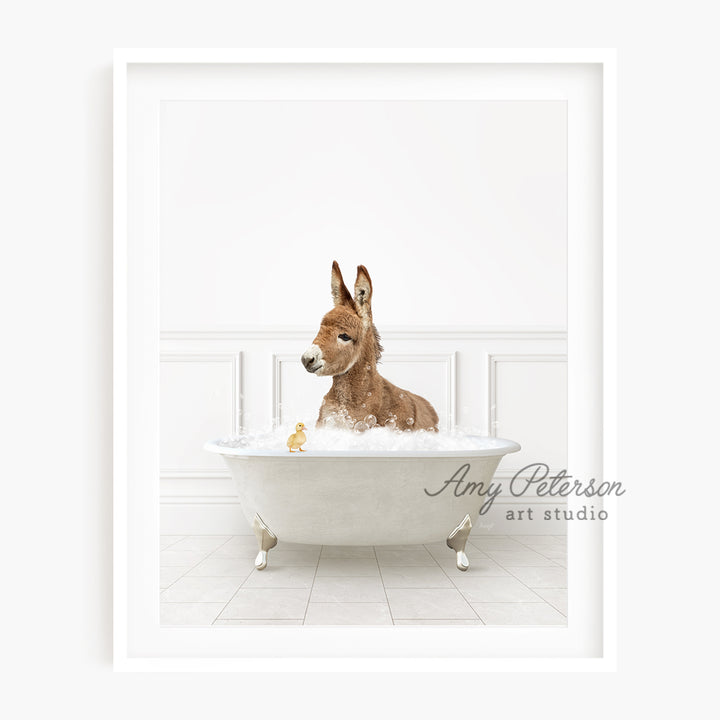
x=535 y=363
x=277 y=372
x=174 y=398
x=234 y=360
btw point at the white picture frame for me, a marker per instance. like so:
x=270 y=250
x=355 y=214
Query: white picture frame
x=589 y=640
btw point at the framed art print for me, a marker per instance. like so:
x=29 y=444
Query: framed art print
x=364 y=359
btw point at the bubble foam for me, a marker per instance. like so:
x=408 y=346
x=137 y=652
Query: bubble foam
x=363 y=438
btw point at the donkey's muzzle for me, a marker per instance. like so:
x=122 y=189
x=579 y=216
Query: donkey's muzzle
x=312 y=359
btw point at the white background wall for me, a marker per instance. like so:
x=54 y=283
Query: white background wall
x=56 y=299
x=457 y=208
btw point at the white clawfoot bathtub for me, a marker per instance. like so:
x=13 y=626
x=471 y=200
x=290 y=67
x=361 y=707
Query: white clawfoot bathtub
x=363 y=498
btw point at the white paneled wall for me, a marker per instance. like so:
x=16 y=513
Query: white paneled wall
x=509 y=383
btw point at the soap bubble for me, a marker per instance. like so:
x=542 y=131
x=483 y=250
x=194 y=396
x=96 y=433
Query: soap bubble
x=367 y=367
x=335 y=421
x=369 y=394
x=390 y=424
x=360 y=427
x=402 y=395
x=410 y=421
x=235 y=441
x=370 y=420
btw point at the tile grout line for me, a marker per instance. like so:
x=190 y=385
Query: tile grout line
x=454 y=587
x=214 y=577
x=555 y=564
x=160 y=600
x=341 y=602
x=202 y=560
x=232 y=597
x=564 y=614
x=182 y=537
x=520 y=580
x=461 y=592
x=312 y=586
x=508 y=570
x=192 y=567
x=513 y=537
x=382 y=582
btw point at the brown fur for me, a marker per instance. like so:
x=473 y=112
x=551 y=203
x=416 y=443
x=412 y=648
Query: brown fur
x=358 y=390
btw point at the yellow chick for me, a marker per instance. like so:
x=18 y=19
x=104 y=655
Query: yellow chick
x=297 y=438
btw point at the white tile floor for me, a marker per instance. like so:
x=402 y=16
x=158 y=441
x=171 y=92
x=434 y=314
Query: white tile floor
x=512 y=580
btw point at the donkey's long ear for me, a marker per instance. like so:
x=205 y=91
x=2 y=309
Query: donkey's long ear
x=340 y=294
x=363 y=294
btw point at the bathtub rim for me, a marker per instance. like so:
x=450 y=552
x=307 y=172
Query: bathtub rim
x=502 y=447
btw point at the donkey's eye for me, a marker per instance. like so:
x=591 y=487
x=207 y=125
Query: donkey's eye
x=344 y=337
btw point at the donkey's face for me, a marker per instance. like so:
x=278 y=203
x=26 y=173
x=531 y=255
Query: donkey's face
x=343 y=331
x=337 y=346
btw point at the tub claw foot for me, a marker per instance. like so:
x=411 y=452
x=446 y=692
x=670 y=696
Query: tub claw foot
x=456 y=541
x=266 y=541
